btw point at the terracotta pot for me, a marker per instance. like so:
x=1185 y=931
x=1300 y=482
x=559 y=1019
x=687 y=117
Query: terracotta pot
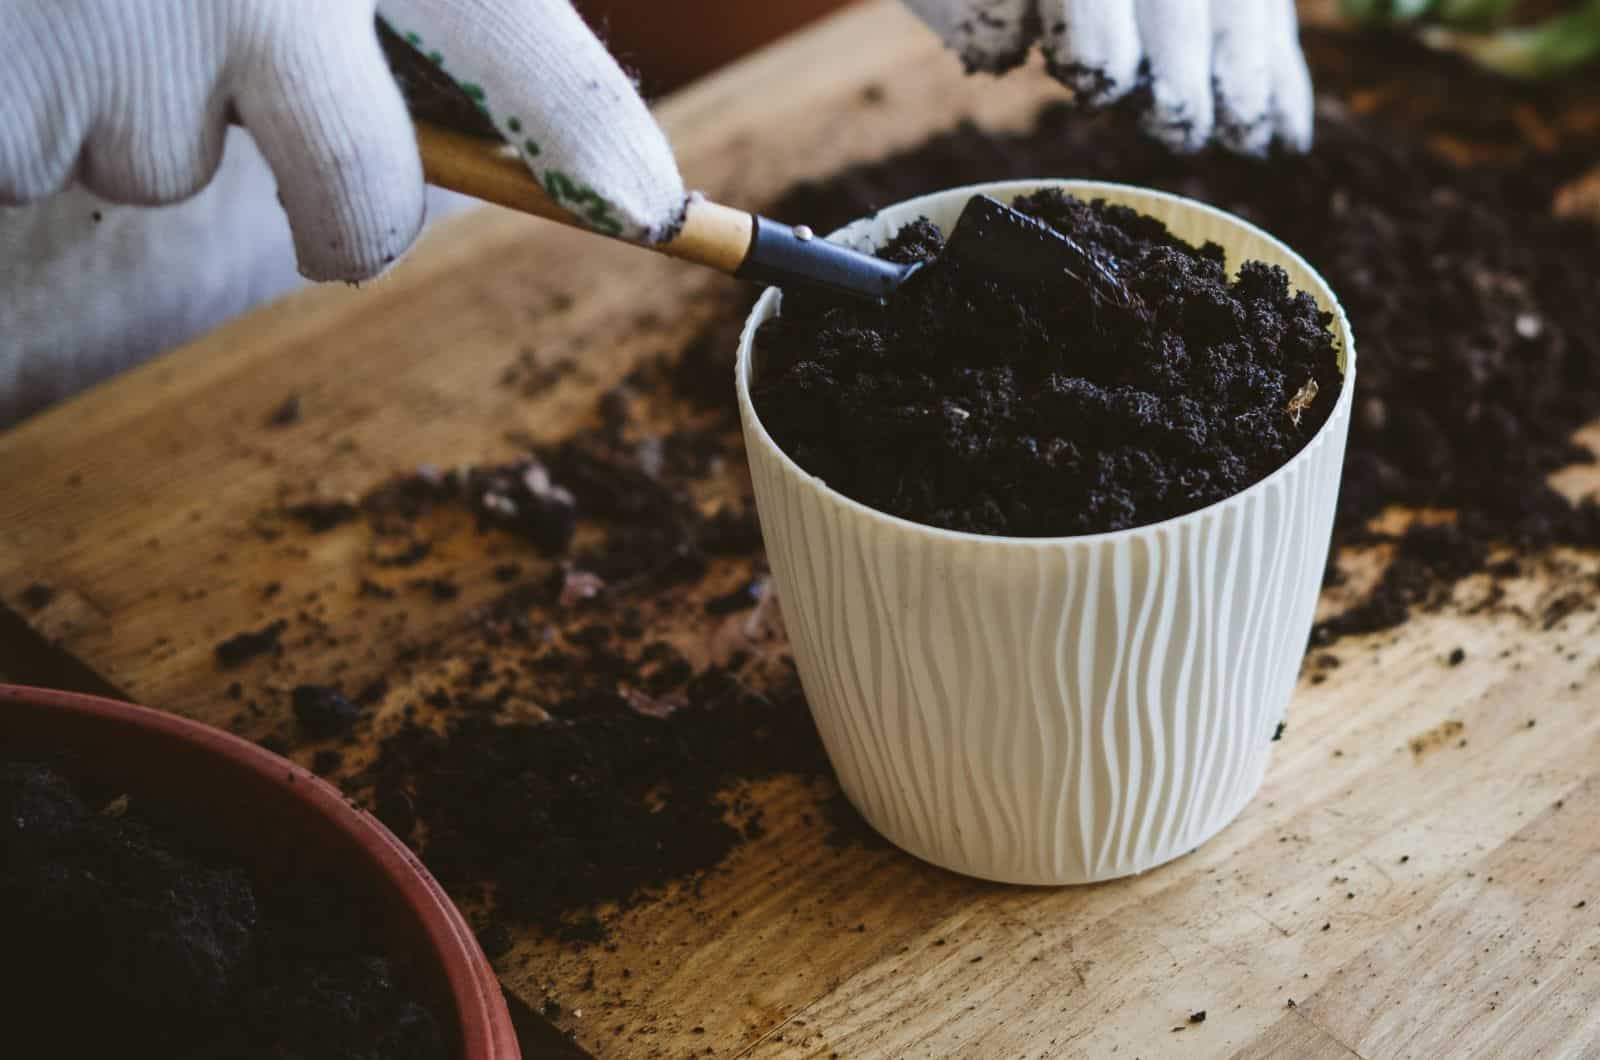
x=268 y=811
x=667 y=44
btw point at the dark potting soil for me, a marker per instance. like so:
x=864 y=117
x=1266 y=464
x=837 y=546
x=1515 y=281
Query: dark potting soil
x=1038 y=407
x=1475 y=321
x=627 y=775
x=286 y=414
x=620 y=792
x=38 y=596
x=124 y=938
x=242 y=647
x=323 y=710
x=1476 y=312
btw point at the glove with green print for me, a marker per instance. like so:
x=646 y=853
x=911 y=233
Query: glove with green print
x=131 y=98
x=553 y=91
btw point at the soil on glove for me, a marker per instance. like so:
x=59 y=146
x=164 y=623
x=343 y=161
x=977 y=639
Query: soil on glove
x=125 y=938
x=1038 y=406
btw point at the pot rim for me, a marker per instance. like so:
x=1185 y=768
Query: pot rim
x=1007 y=190
x=484 y=1027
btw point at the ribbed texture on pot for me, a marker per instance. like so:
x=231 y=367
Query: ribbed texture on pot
x=1057 y=710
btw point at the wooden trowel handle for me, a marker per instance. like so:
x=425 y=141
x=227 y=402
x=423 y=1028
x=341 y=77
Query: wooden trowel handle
x=712 y=234
x=740 y=244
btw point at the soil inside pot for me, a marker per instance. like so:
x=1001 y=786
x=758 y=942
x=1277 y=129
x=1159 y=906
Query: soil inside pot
x=1038 y=406
x=124 y=936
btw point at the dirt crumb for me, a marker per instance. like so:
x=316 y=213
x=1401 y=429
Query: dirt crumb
x=1440 y=735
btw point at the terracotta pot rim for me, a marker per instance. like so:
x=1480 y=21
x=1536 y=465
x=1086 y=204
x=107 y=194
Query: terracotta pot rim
x=485 y=1028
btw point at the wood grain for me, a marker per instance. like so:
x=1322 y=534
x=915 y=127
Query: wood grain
x=1408 y=904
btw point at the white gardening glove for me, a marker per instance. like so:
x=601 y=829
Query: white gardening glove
x=131 y=98
x=1225 y=69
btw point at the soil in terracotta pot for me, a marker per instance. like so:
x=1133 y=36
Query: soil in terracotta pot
x=1038 y=405
x=122 y=937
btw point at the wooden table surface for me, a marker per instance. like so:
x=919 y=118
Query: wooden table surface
x=1411 y=881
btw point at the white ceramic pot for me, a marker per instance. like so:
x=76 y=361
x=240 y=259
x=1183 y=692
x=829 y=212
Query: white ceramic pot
x=1052 y=710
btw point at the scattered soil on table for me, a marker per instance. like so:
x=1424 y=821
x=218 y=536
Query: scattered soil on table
x=619 y=792
x=321 y=516
x=1476 y=313
x=531 y=375
x=323 y=710
x=1476 y=326
x=242 y=647
x=286 y=414
x=124 y=938
x=615 y=702
x=1429 y=559
x=1444 y=734
x=1036 y=406
x=38 y=596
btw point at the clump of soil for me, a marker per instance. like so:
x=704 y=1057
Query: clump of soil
x=323 y=710
x=123 y=937
x=286 y=414
x=321 y=516
x=1035 y=406
x=38 y=596
x=519 y=497
x=242 y=647
x=1428 y=560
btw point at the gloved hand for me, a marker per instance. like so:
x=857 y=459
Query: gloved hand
x=131 y=98
x=1229 y=69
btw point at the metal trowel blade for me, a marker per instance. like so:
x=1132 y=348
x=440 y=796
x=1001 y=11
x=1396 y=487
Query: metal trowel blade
x=992 y=237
